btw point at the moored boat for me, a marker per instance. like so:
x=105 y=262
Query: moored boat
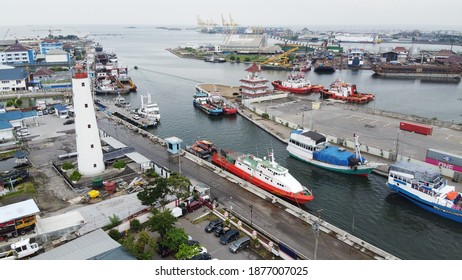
x=355 y=58
x=219 y=101
x=451 y=72
x=203 y=104
x=425 y=187
x=202 y=149
x=264 y=173
x=296 y=83
x=313 y=148
x=148 y=109
x=346 y=92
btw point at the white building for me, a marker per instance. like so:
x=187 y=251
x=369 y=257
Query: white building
x=90 y=155
x=17 y=54
x=58 y=56
x=13 y=79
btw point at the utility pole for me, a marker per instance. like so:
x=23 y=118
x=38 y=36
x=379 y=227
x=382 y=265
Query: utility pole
x=315 y=228
x=397 y=146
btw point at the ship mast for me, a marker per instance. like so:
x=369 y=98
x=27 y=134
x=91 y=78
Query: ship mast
x=357 y=150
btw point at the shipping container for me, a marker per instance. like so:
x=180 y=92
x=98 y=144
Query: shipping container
x=417 y=128
x=444 y=159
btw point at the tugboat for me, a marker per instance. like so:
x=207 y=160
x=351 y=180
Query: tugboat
x=312 y=147
x=296 y=83
x=340 y=90
x=263 y=173
x=202 y=149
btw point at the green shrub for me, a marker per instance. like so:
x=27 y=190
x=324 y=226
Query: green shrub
x=119 y=164
x=75 y=176
x=67 y=166
x=265 y=116
x=135 y=225
x=114 y=234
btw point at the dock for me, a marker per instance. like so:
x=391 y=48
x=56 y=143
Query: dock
x=126 y=114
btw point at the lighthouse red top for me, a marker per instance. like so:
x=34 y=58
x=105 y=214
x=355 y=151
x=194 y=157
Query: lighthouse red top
x=79 y=73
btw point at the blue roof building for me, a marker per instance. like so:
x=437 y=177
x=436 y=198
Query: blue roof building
x=13 y=79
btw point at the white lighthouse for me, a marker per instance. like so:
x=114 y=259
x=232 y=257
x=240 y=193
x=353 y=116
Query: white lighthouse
x=90 y=155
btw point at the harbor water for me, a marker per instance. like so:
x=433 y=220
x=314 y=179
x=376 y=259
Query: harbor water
x=365 y=207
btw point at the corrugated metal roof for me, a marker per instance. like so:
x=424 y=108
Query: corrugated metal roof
x=13 y=74
x=94 y=245
x=114 y=143
x=5 y=124
x=18 y=210
x=138 y=158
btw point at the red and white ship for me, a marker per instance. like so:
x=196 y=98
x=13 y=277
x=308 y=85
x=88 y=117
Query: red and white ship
x=296 y=83
x=263 y=173
x=346 y=92
x=219 y=101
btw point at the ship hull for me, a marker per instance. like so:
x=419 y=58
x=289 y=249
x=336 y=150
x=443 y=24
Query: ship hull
x=359 y=170
x=223 y=163
x=440 y=210
x=302 y=90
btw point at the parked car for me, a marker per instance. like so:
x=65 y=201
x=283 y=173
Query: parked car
x=202 y=256
x=213 y=224
x=45 y=112
x=220 y=230
x=229 y=237
x=51 y=111
x=136 y=117
x=68 y=122
x=240 y=244
x=23 y=132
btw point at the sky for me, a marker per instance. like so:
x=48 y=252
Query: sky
x=245 y=12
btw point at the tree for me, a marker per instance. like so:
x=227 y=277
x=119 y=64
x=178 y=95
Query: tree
x=174 y=238
x=179 y=185
x=114 y=234
x=186 y=252
x=162 y=222
x=153 y=194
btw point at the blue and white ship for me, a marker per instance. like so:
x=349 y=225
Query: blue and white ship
x=425 y=187
x=312 y=147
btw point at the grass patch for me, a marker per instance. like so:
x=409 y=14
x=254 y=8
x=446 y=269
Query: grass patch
x=7 y=154
x=210 y=216
x=24 y=188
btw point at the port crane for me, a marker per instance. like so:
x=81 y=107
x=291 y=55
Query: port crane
x=281 y=59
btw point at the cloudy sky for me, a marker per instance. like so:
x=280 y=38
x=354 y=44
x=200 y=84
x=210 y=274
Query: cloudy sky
x=244 y=12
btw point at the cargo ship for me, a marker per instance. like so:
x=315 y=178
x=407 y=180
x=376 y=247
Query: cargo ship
x=312 y=147
x=426 y=71
x=426 y=188
x=263 y=173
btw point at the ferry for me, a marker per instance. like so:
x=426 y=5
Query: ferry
x=263 y=173
x=425 y=187
x=312 y=147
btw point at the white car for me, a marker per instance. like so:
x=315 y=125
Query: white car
x=136 y=117
x=22 y=132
